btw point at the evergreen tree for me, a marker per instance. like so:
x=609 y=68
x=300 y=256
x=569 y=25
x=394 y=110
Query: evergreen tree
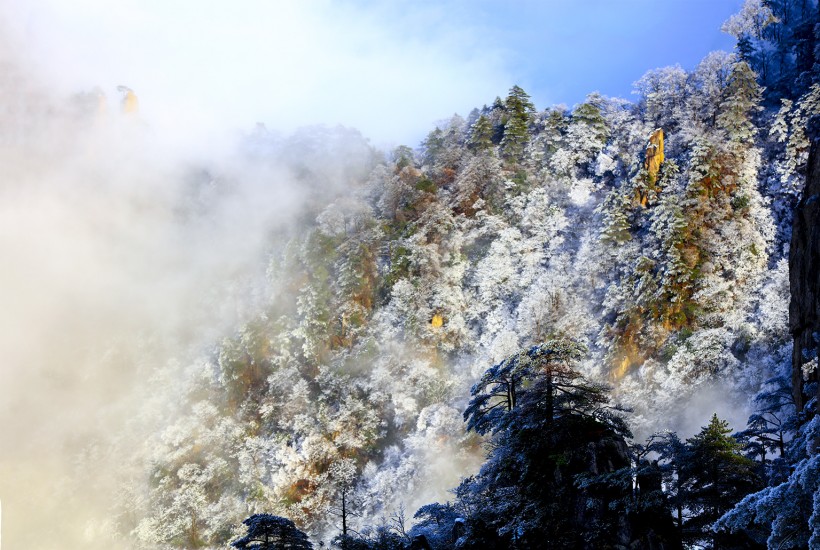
x=343 y=475
x=432 y=146
x=480 y=178
x=742 y=101
x=315 y=299
x=586 y=136
x=481 y=134
x=552 y=127
x=673 y=456
x=785 y=515
x=438 y=523
x=615 y=211
x=716 y=477
x=671 y=229
x=519 y=113
x=549 y=424
x=269 y=532
x=772 y=422
x=662 y=96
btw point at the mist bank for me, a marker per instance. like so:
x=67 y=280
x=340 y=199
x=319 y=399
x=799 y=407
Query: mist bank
x=122 y=260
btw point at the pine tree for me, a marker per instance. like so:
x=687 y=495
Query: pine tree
x=549 y=424
x=589 y=114
x=673 y=456
x=615 y=211
x=519 y=111
x=315 y=299
x=343 y=474
x=743 y=95
x=432 y=146
x=717 y=476
x=586 y=136
x=785 y=514
x=772 y=422
x=481 y=134
x=269 y=532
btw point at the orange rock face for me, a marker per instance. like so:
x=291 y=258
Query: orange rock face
x=130 y=103
x=654 y=155
x=652 y=164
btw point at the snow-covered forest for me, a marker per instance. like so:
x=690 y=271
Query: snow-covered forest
x=542 y=327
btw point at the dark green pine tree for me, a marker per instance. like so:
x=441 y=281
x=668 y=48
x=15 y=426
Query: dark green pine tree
x=587 y=133
x=670 y=226
x=717 y=476
x=615 y=211
x=548 y=425
x=481 y=134
x=742 y=100
x=269 y=532
x=673 y=457
x=775 y=417
x=520 y=111
x=432 y=146
x=590 y=114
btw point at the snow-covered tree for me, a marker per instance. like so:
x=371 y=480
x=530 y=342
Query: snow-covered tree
x=269 y=532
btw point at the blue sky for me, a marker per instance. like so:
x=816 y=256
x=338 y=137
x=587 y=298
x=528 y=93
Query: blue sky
x=208 y=68
x=561 y=50
x=610 y=46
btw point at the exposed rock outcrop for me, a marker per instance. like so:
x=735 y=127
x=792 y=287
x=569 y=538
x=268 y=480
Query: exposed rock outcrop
x=804 y=274
x=652 y=165
x=130 y=103
x=654 y=155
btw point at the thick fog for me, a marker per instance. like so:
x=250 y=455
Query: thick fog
x=135 y=228
x=120 y=256
x=200 y=70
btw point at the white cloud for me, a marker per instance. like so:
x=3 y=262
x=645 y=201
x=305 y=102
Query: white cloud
x=200 y=68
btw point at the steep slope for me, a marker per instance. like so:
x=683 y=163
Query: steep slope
x=502 y=230
x=653 y=233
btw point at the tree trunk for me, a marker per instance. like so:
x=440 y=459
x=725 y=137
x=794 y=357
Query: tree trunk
x=550 y=399
x=344 y=519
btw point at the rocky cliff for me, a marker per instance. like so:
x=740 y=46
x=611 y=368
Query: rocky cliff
x=804 y=278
